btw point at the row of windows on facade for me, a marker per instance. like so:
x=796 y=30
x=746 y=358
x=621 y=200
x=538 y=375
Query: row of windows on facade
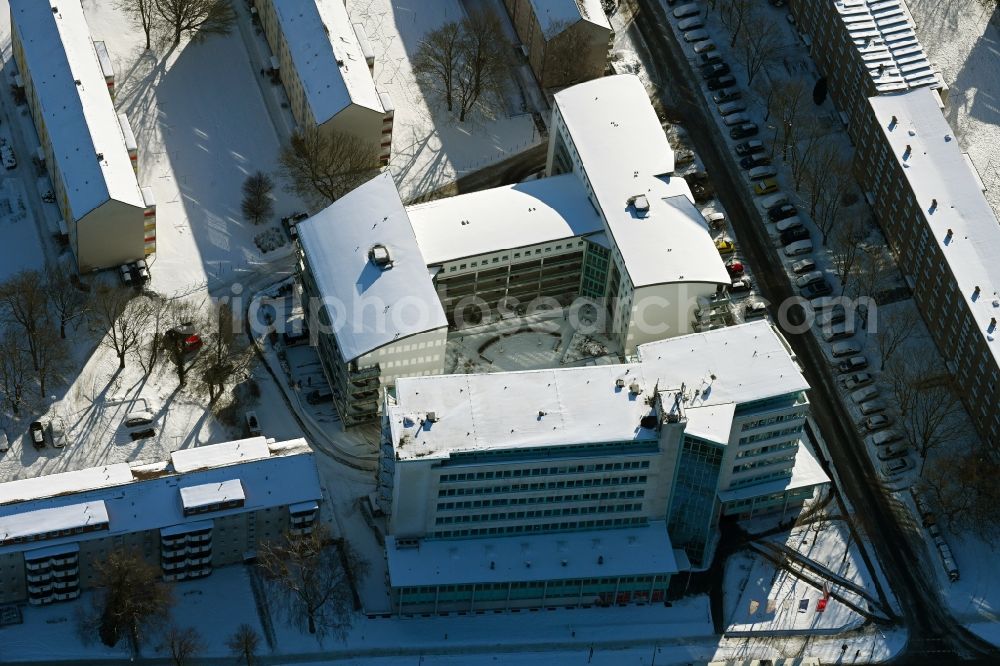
x=538 y=585
x=544 y=499
x=770 y=448
x=753 y=480
x=506 y=257
x=764 y=463
x=540 y=527
x=539 y=513
x=551 y=485
x=543 y=471
x=791 y=496
x=770 y=420
x=770 y=434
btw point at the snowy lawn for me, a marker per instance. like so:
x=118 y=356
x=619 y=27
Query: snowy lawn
x=431 y=149
x=21 y=248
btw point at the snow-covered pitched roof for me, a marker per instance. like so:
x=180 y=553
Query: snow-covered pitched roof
x=369 y=306
x=625 y=153
x=631 y=551
x=947 y=193
x=279 y=480
x=719 y=369
x=328 y=58
x=885 y=35
x=216 y=455
x=206 y=494
x=505 y=217
x=554 y=16
x=73 y=99
x=64 y=483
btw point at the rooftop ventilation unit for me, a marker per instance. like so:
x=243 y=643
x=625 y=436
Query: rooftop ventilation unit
x=634 y=388
x=100 y=157
x=641 y=204
x=380 y=256
x=432 y=417
x=620 y=383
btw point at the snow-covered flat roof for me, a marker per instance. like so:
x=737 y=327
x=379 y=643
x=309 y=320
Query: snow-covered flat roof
x=46 y=520
x=65 y=483
x=884 y=33
x=328 y=58
x=957 y=214
x=370 y=306
x=554 y=16
x=625 y=153
x=719 y=369
x=207 y=494
x=511 y=216
x=632 y=551
x=806 y=472
x=279 y=480
x=216 y=455
x=73 y=99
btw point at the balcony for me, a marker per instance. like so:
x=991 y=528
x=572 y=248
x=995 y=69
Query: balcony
x=360 y=374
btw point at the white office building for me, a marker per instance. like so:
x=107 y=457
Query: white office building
x=575 y=486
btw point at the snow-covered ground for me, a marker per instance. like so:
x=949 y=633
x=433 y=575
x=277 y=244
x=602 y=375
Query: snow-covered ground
x=430 y=149
x=21 y=248
x=962 y=39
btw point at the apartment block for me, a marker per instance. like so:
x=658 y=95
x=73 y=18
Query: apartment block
x=326 y=65
x=204 y=508
x=609 y=223
x=566 y=41
x=590 y=485
x=929 y=202
x=865 y=48
x=67 y=82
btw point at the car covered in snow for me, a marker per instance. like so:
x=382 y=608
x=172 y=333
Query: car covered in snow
x=857 y=380
x=781 y=212
x=754 y=310
x=7 y=154
x=852 y=364
x=749 y=147
x=727 y=95
x=803 y=266
x=37 y=432
x=743 y=131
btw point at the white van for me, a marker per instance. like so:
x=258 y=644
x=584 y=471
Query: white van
x=691 y=23
x=788 y=223
x=689 y=9
x=727 y=108
x=735 y=119
x=705 y=46
x=798 y=248
x=771 y=200
x=699 y=35
x=761 y=172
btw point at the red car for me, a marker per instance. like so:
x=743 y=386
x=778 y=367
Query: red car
x=735 y=269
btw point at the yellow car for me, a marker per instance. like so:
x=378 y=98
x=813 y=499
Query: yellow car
x=766 y=186
x=725 y=246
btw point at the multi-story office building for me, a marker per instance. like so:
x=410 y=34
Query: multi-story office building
x=206 y=507
x=566 y=41
x=575 y=486
x=326 y=64
x=610 y=223
x=865 y=48
x=929 y=201
x=109 y=219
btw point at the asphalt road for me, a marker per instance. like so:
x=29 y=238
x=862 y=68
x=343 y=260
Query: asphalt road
x=935 y=637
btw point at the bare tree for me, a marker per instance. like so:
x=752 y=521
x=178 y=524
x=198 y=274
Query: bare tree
x=930 y=411
x=893 y=331
x=786 y=99
x=733 y=15
x=124 y=318
x=66 y=297
x=759 y=41
x=181 y=316
x=53 y=359
x=147 y=353
x=832 y=194
x=182 y=645
x=131 y=598
x=437 y=60
x=201 y=17
x=257 y=204
x=223 y=357
x=320 y=167
x=806 y=136
x=965 y=491
x=244 y=644
x=311 y=575
x=141 y=12
x=14 y=364
x=24 y=303
x=847 y=249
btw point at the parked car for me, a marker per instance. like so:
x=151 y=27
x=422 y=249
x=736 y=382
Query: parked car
x=146 y=433
x=762 y=172
x=741 y=285
x=754 y=309
x=715 y=69
x=774 y=200
x=253 y=424
x=735 y=119
x=893 y=451
x=691 y=23
x=37 y=432
x=832 y=317
x=809 y=278
x=729 y=108
x=125 y=272
x=872 y=407
x=781 y=212
x=743 y=131
x=715 y=220
x=852 y=364
x=7 y=153
x=803 y=266
x=698 y=35
x=749 y=147
x=838 y=332
x=765 y=186
x=789 y=236
x=725 y=246
x=139 y=418
x=827 y=303
x=896 y=466
x=726 y=94
x=788 y=223
x=876 y=422
x=857 y=380
x=709 y=58
x=798 y=248
x=57 y=433
x=816 y=289
x=720 y=82
x=755 y=160
x=689 y=9
x=885 y=437
x=735 y=268
x=845 y=348
x=4 y=442
x=864 y=394
x=704 y=47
